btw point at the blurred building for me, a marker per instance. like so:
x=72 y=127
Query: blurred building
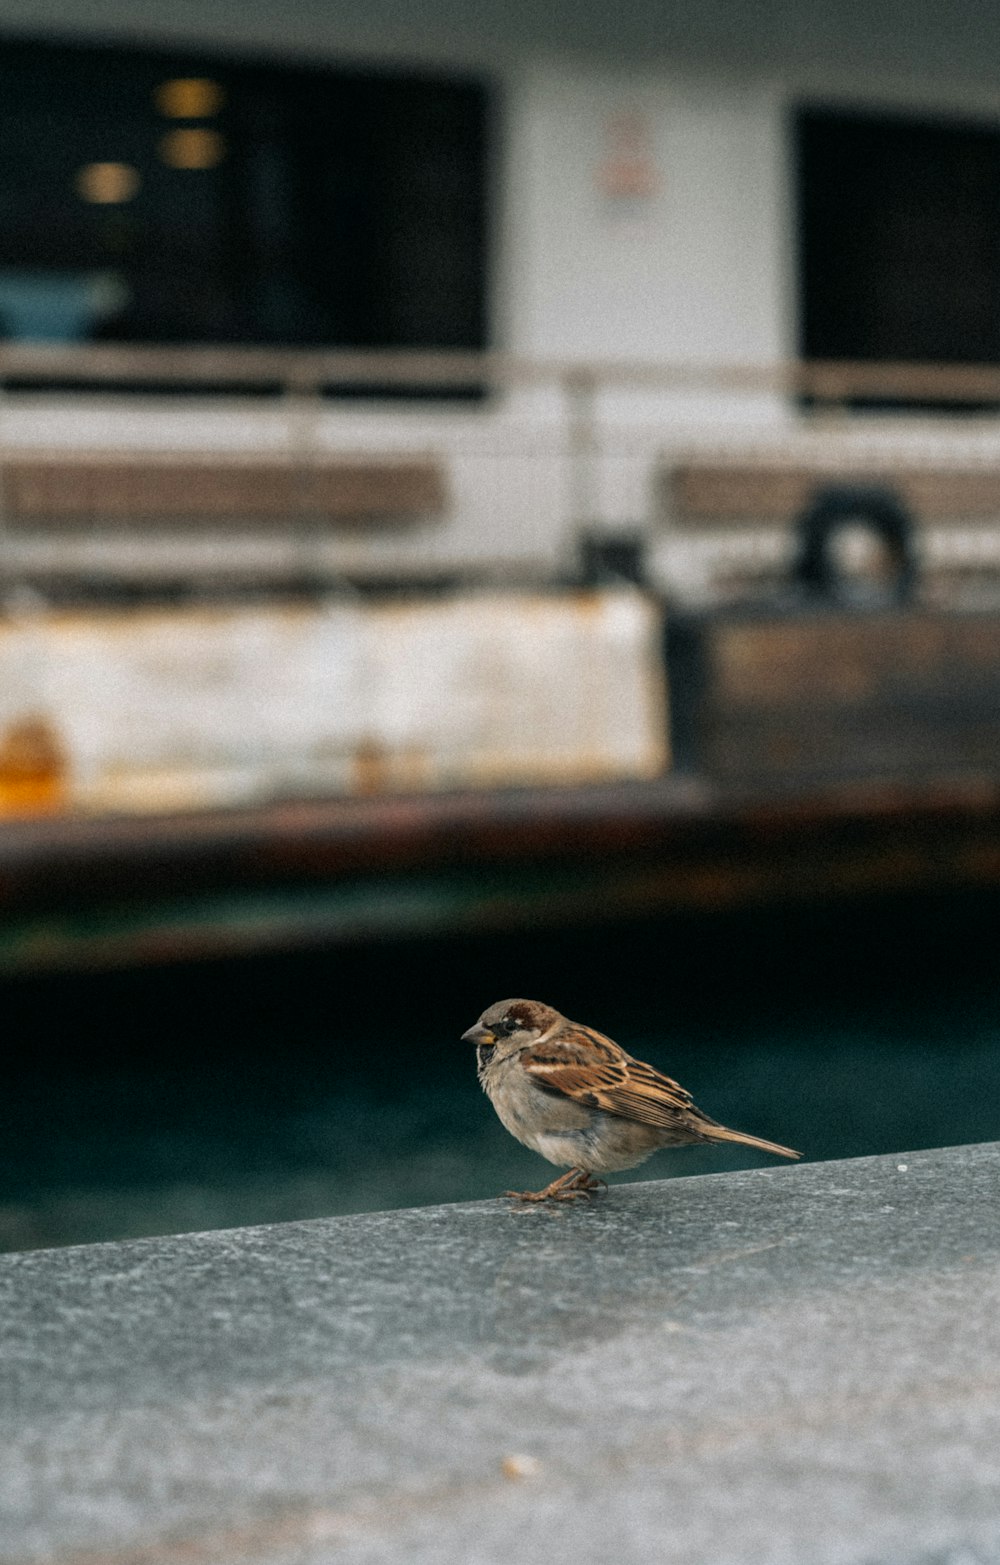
x=701 y=185
x=321 y=305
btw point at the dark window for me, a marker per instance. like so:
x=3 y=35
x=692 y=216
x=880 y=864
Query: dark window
x=899 y=238
x=159 y=198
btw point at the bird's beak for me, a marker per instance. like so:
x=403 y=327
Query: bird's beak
x=478 y=1034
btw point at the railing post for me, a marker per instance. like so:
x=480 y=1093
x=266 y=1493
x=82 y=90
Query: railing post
x=303 y=397
x=580 y=389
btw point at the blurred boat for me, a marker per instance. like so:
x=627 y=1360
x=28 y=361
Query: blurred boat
x=272 y=675
x=816 y=754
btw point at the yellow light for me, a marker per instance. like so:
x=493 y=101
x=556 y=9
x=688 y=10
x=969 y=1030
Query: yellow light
x=107 y=183
x=192 y=148
x=189 y=98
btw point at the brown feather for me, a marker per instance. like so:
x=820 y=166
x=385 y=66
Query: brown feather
x=613 y=1081
x=723 y=1133
x=594 y=1070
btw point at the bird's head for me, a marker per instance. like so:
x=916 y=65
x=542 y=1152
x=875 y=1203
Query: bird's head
x=512 y=1024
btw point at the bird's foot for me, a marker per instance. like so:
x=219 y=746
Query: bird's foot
x=577 y=1185
x=548 y=1195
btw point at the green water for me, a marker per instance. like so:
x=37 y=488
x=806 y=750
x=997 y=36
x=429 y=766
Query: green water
x=334 y=1082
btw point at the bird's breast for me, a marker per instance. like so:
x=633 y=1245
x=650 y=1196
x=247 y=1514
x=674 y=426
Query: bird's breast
x=524 y=1108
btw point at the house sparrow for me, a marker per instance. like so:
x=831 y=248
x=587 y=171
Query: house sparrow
x=581 y=1101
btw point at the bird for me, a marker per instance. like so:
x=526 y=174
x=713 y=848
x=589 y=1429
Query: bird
x=576 y=1097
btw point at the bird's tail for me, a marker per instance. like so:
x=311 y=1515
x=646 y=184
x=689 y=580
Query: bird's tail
x=722 y=1133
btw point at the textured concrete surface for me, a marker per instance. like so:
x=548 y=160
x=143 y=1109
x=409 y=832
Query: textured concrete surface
x=793 y=1365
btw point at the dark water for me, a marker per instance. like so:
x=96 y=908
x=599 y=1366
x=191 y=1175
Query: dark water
x=305 y=1085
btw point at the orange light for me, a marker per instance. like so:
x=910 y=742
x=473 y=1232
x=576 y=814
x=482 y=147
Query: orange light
x=192 y=148
x=107 y=184
x=189 y=98
x=33 y=768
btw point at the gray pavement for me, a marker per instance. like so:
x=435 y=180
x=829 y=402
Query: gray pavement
x=794 y=1365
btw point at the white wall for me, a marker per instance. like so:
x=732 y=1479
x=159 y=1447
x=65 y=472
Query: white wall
x=693 y=270
x=190 y=708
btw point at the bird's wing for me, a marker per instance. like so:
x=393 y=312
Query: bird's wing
x=593 y=1070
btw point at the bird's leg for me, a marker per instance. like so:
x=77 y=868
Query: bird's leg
x=575 y=1185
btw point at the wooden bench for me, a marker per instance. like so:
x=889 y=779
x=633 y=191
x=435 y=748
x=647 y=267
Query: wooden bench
x=144 y=489
x=718 y=493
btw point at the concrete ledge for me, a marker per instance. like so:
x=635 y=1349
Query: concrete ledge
x=791 y=1365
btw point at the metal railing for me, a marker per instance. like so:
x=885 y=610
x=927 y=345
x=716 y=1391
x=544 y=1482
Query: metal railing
x=312 y=370
x=548 y=474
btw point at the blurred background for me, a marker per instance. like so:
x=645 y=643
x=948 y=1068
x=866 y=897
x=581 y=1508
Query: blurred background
x=489 y=505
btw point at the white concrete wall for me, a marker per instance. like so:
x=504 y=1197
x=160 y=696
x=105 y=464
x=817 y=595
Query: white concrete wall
x=200 y=708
